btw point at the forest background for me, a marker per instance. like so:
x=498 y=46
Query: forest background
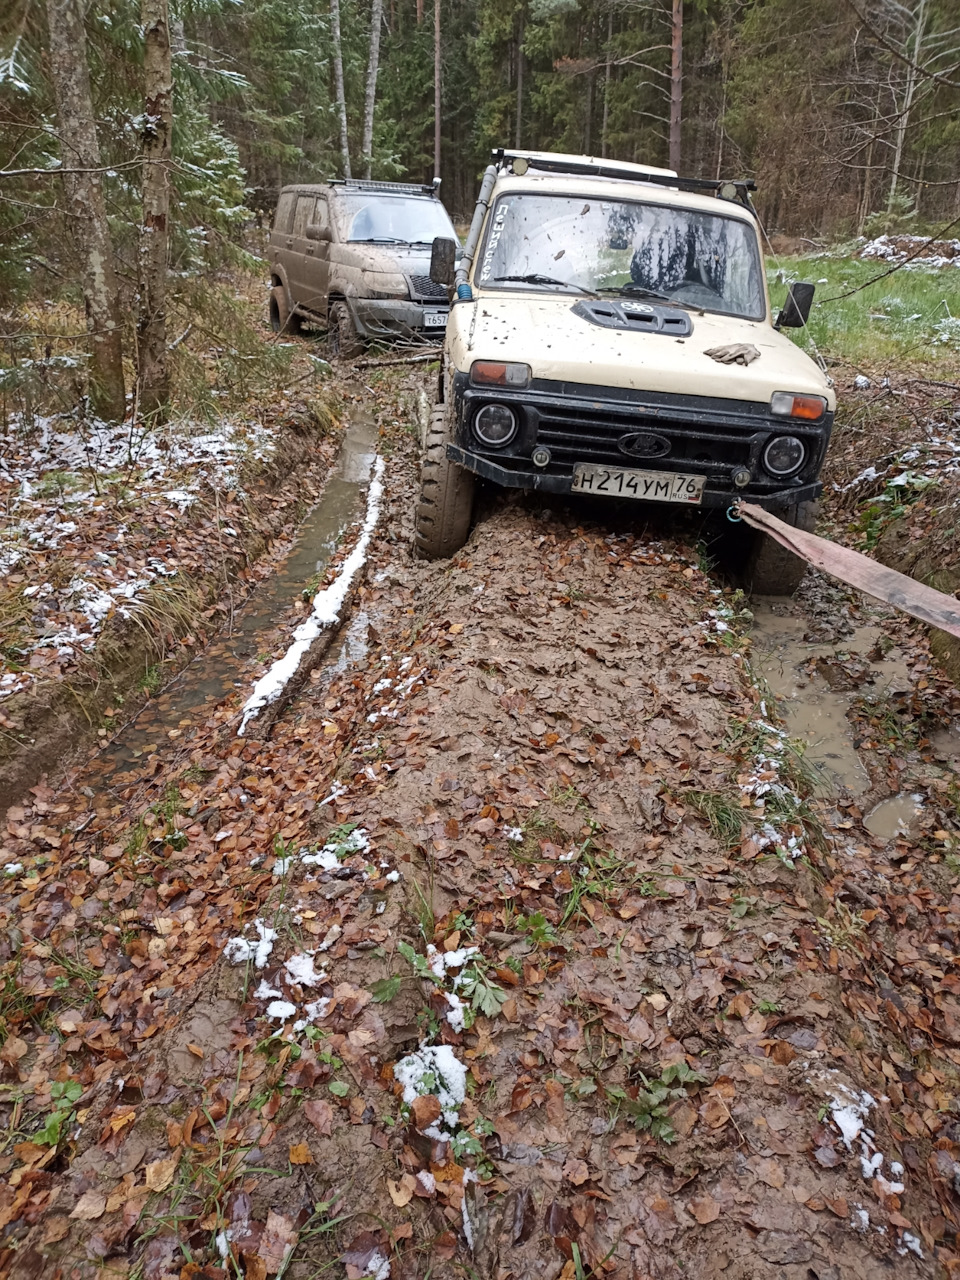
x=846 y=112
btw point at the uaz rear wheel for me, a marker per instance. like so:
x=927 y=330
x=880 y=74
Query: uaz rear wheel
x=446 y=494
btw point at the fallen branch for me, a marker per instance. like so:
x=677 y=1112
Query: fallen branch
x=423 y=358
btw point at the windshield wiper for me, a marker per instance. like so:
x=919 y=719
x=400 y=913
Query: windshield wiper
x=379 y=240
x=637 y=289
x=539 y=279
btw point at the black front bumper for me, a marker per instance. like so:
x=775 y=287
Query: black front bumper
x=550 y=482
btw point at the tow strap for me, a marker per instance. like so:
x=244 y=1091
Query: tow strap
x=934 y=607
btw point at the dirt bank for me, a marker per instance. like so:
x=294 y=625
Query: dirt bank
x=571 y=980
x=79 y=659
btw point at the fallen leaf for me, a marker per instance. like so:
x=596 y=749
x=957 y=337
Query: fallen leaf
x=195 y=1050
x=90 y=1206
x=768 y=1171
x=576 y=1171
x=714 y=1112
x=277 y=1242
x=13 y=1049
x=300 y=1153
x=401 y=1193
x=56 y=1229
x=159 y=1173
x=705 y=1209
x=424 y=1112
x=320 y=1115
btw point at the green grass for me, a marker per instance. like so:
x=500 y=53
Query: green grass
x=912 y=315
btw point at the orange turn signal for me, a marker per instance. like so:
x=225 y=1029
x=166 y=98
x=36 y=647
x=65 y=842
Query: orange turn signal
x=490 y=373
x=788 y=405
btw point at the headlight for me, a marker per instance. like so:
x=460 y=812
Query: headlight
x=384 y=284
x=784 y=455
x=488 y=373
x=786 y=405
x=495 y=424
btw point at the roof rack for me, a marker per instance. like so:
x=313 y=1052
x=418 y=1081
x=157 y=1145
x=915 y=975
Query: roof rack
x=723 y=188
x=390 y=188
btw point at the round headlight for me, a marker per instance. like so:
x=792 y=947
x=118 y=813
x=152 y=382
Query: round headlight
x=784 y=455
x=495 y=424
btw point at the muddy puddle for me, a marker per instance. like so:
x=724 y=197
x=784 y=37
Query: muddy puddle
x=815 y=684
x=224 y=664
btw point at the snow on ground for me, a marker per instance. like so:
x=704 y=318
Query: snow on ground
x=89 y=508
x=327 y=604
x=894 y=249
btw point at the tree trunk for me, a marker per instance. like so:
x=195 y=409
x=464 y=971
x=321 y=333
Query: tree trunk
x=436 y=88
x=338 y=84
x=153 y=378
x=676 y=83
x=519 y=129
x=373 y=66
x=86 y=210
x=913 y=48
x=605 y=126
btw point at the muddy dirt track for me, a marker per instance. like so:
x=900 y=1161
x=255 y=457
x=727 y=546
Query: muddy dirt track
x=543 y=959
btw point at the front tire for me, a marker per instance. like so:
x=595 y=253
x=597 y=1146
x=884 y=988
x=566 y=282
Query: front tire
x=445 y=508
x=344 y=340
x=772 y=570
x=282 y=319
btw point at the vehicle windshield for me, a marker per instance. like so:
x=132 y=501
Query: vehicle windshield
x=393 y=219
x=693 y=259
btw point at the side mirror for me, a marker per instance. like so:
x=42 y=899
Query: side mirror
x=316 y=232
x=443 y=261
x=796 y=309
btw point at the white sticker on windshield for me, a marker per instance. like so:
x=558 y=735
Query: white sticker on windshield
x=499 y=221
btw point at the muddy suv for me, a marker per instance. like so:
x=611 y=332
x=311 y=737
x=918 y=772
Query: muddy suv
x=611 y=336
x=354 y=256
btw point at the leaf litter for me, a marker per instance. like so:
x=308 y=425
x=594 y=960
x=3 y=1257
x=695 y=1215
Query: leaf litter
x=673 y=1029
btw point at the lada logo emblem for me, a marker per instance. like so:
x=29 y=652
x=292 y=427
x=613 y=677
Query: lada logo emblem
x=644 y=444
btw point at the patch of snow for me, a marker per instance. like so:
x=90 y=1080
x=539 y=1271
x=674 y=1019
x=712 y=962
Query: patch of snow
x=455 y=1014
x=300 y=969
x=327 y=604
x=427 y=1181
x=281 y=1010
x=392 y=876
x=265 y=991
x=514 y=834
x=860 y=1220
x=240 y=950
x=12 y=868
x=378 y=1267
x=441 y=961
x=434 y=1069
x=330 y=937
x=911 y=1242
x=281 y=866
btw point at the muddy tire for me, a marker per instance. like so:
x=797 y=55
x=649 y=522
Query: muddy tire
x=446 y=495
x=342 y=334
x=772 y=570
x=282 y=319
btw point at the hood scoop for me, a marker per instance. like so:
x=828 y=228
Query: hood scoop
x=637 y=317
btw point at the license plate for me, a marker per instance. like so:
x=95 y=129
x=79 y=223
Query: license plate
x=650 y=486
x=434 y=319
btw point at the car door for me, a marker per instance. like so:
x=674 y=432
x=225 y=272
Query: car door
x=300 y=289
x=281 y=235
x=316 y=258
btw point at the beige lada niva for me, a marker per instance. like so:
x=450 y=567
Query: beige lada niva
x=611 y=335
x=353 y=256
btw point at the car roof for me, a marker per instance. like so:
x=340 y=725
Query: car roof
x=620 y=189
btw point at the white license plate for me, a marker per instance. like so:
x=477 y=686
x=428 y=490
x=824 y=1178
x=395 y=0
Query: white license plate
x=434 y=319
x=650 y=486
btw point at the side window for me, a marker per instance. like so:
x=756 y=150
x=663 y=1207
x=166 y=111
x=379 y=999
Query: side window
x=304 y=214
x=322 y=216
x=281 y=222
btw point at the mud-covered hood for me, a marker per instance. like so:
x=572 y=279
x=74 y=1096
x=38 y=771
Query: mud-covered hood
x=558 y=344
x=410 y=259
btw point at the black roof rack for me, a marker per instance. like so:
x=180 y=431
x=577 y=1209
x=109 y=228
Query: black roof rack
x=723 y=188
x=389 y=188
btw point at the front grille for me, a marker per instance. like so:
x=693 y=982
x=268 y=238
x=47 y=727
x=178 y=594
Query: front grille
x=425 y=288
x=591 y=435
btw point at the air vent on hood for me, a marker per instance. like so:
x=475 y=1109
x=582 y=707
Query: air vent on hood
x=639 y=317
